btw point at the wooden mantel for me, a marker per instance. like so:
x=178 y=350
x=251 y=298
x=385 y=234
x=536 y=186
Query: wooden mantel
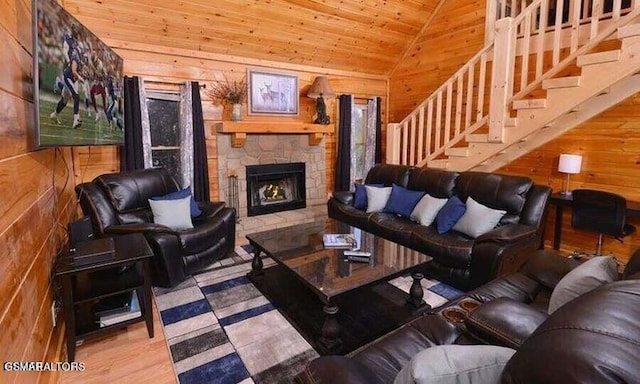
x=240 y=129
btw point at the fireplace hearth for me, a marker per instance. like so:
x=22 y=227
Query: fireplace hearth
x=275 y=188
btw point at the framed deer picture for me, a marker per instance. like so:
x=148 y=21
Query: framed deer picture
x=272 y=93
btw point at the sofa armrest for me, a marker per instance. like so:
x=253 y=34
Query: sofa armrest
x=345 y=197
x=548 y=268
x=336 y=370
x=510 y=233
x=120 y=229
x=209 y=209
x=504 y=322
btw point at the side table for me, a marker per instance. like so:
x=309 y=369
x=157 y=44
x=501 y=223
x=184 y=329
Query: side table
x=84 y=286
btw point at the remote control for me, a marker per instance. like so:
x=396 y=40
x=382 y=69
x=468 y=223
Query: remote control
x=359 y=259
x=357 y=253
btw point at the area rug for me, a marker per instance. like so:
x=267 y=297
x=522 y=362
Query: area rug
x=221 y=329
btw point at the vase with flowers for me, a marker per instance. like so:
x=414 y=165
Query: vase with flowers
x=230 y=92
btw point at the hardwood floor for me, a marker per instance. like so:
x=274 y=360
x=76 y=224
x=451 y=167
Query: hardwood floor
x=125 y=357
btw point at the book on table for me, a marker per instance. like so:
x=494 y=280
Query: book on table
x=130 y=311
x=339 y=240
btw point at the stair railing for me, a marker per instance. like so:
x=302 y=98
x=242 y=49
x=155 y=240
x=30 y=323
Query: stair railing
x=438 y=123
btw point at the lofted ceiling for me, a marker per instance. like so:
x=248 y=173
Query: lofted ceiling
x=368 y=36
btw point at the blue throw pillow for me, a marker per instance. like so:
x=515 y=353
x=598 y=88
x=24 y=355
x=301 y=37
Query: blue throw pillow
x=402 y=200
x=450 y=214
x=181 y=194
x=360 y=195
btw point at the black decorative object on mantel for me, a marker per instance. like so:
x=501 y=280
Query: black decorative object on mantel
x=320 y=88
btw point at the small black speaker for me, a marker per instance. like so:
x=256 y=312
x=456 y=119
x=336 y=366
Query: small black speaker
x=80 y=230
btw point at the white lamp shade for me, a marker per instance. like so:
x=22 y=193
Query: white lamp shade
x=320 y=87
x=570 y=163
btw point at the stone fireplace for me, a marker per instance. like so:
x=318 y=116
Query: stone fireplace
x=271 y=149
x=275 y=188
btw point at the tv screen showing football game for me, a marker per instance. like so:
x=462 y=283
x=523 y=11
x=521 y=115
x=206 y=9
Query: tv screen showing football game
x=78 y=82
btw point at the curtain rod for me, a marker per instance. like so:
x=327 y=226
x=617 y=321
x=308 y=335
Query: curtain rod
x=202 y=85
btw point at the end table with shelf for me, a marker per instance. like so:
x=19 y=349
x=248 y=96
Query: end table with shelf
x=84 y=286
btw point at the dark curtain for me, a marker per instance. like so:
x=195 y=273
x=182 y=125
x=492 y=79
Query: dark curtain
x=200 y=185
x=343 y=163
x=132 y=151
x=378 y=152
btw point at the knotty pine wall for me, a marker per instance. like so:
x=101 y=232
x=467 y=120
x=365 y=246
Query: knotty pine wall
x=163 y=71
x=35 y=207
x=455 y=34
x=609 y=143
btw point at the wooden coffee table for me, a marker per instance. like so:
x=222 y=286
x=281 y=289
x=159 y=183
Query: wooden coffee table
x=328 y=274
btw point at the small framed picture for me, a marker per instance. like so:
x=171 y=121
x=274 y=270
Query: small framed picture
x=272 y=93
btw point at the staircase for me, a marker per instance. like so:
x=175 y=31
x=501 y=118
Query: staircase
x=501 y=104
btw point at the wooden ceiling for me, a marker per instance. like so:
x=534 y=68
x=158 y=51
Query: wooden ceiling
x=367 y=36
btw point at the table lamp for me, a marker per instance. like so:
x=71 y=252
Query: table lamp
x=320 y=88
x=569 y=164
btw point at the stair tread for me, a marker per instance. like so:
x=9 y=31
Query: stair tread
x=457 y=151
x=530 y=104
x=598 y=57
x=562 y=82
x=630 y=30
x=477 y=137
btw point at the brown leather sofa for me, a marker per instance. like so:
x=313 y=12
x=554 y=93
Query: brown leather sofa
x=459 y=260
x=117 y=203
x=592 y=339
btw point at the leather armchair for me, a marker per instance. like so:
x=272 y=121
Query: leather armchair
x=117 y=203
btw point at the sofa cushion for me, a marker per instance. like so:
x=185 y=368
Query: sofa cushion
x=449 y=215
x=503 y=192
x=377 y=198
x=584 y=278
x=456 y=364
x=175 y=214
x=388 y=174
x=181 y=194
x=393 y=227
x=360 y=195
x=436 y=182
x=402 y=201
x=348 y=214
x=478 y=219
x=427 y=209
x=451 y=249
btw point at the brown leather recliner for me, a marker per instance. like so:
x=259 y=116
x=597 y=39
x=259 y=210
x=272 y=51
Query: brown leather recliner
x=594 y=338
x=117 y=203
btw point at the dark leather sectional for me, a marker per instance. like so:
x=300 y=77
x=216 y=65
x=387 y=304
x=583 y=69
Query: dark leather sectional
x=592 y=339
x=117 y=203
x=458 y=260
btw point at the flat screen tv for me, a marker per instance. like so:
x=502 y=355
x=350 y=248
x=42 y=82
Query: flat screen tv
x=78 y=82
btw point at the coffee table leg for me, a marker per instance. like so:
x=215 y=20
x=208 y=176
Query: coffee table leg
x=256 y=264
x=330 y=328
x=415 y=292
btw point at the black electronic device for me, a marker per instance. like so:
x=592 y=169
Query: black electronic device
x=94 y=251
x=80 y=230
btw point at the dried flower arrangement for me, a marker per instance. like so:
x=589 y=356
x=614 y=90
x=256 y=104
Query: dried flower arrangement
x=232 y=92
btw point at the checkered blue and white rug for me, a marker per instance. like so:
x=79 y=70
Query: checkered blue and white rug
x=221 y=329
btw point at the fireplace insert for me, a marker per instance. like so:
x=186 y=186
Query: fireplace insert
x=275 y=188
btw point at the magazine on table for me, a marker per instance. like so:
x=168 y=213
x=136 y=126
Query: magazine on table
x=339 y=240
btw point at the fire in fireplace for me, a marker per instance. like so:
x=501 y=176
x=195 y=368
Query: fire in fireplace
x=275 y=187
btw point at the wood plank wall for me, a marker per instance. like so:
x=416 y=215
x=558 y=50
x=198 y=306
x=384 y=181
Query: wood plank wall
x=161 y=69
x=35 y=207
x=610 y=146
x=455 y=34
x=609 y=143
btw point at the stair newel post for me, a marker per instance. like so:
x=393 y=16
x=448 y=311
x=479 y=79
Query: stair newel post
x=504 y=57
x=393 y=144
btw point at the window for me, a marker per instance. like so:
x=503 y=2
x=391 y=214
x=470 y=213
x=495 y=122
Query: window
x=164 y=126
x=359 y=117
